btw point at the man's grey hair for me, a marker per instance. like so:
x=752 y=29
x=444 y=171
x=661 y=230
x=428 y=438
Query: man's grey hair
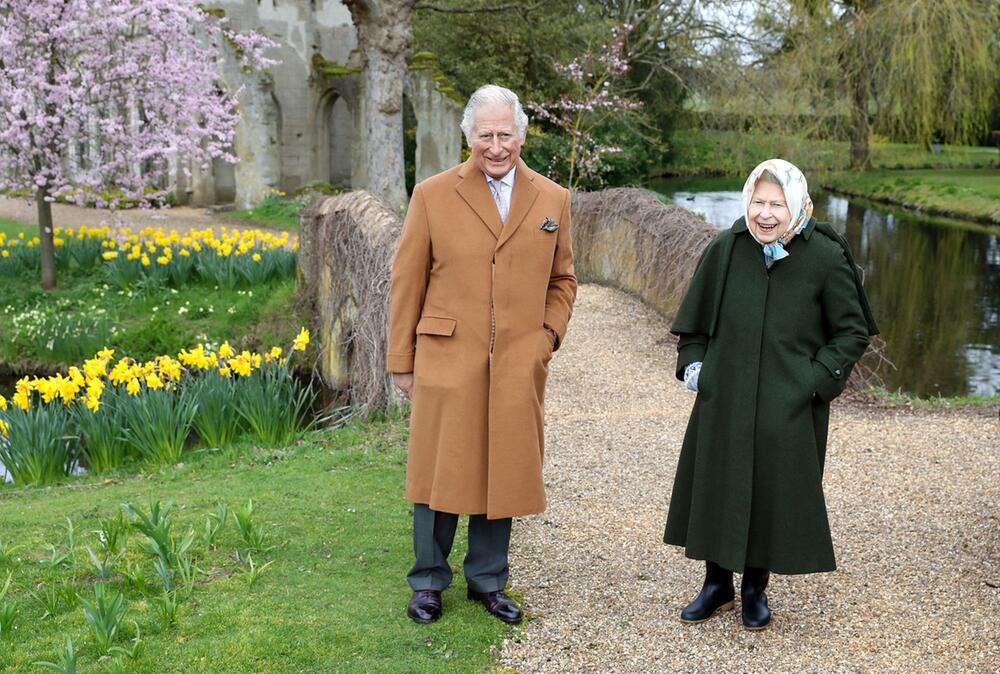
x=491 y=94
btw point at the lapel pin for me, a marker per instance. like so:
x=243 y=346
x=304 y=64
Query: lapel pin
x=549 y=225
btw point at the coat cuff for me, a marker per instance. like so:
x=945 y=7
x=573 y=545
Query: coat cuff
x=399 y=363
x=556 y=326
x=829 y=381
x=688 y=353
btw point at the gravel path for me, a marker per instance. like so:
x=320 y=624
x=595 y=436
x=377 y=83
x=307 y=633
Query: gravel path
x=913 y=499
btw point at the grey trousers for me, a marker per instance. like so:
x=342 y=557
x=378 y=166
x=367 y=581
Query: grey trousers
x=485 y=566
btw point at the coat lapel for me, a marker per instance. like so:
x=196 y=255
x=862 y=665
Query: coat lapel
x=473 y=189
x=521 y=200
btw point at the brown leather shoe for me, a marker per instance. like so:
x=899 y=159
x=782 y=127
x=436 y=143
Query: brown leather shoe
x=499 y=604
x=424 y=606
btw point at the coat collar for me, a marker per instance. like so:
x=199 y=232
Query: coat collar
x=473 y=189
x=740 y=227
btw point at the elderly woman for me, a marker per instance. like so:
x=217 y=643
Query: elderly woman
x=769 y=330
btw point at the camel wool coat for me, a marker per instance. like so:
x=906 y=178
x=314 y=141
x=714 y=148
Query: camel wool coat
x=470 y=304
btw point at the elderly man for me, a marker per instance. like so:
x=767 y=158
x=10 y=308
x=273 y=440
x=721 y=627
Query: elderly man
x=482 y=290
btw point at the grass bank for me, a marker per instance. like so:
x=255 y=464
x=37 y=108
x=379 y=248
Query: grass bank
x=41 y=331
x=899 y=399
x=283 y=216
x=12 y=228
x=332 y=599
x=972 y=194
x=278 y=210
x=710 y=152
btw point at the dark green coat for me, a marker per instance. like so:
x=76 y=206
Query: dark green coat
x=777 y=346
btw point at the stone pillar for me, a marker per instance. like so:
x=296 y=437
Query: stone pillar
x=256 y=144
x=439 y=119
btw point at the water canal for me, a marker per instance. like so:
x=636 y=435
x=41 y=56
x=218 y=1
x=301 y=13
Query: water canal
x=934 y=284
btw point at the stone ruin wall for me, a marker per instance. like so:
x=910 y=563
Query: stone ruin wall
x=299 y=126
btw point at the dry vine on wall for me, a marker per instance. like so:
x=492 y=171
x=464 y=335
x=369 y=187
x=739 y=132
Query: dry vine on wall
x=347 y=243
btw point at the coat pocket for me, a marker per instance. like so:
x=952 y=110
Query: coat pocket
x=436 y=325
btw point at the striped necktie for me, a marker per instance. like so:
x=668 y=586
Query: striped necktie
x=497 y=188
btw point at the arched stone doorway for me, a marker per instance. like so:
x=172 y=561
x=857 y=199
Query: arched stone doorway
x=336 y=140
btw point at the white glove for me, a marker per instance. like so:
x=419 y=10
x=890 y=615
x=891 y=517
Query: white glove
x=691 y=375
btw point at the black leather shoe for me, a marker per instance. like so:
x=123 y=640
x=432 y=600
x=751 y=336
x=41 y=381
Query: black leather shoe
x=499 y=604
x=424 y=606
x=716 y=595
x=756 y=614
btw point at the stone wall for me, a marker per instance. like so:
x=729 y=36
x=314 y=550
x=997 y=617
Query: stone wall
x=301 y=125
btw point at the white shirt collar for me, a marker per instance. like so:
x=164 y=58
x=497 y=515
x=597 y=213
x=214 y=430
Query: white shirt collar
x=507 y=180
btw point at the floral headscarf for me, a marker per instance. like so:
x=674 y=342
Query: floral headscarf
x=793 y=184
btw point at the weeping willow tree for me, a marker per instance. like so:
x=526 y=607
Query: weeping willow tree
x=911 y=70
x=919 y=70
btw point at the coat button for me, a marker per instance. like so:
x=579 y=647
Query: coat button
x=837 y=372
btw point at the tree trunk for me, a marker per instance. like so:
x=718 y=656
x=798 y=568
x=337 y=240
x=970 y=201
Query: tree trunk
x=859 y=82
x=48 y=248
x=860 y=152
x=384 y=36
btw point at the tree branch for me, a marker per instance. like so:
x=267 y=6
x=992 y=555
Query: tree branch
x=477 y=10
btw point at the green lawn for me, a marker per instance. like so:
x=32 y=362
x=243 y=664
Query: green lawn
x=281 y=216
x=965 y=193
x=40 y=331
x=12 y=228
x=709 y=152
x=332 y=601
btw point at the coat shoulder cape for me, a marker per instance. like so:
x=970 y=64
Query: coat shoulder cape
x=699 y=311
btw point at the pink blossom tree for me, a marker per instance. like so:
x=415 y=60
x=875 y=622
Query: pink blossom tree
x=103 y=95
x=594 y=95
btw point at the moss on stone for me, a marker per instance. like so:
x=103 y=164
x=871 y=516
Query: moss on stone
x=425 y=60
x=331 y=68
x=217 y=12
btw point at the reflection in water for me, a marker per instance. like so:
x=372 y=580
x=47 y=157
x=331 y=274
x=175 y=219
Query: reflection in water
x=934 y=285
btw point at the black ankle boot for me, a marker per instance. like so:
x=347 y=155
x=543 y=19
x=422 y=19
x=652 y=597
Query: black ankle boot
x=716 y=595
x=756 y=615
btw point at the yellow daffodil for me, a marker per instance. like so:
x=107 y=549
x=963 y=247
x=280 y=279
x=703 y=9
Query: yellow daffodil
x=273 y=354
x=255 y=257
x=95 y=388
x=76 y=376
x=169 y=368
x=132 y=387
x=95 y=367
x=153 y=381
x=3 y=428
x=195 y=358
x=225 y=371
x=66 y=387
x=21 y=399
x=226 y=351
x=121 y=372
x=241 y=366
x=92 y=403
x=144 y=260
x=109 y=254
x=3 y=403
x=301 y=341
